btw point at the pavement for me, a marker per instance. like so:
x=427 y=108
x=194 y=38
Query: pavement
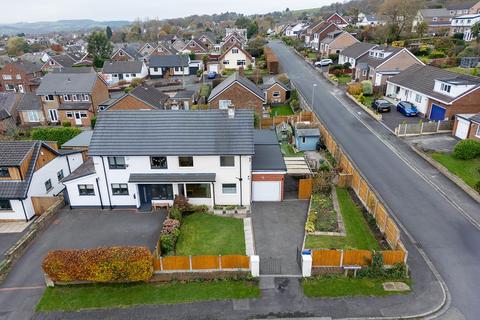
x=438 y=219
x=79 y=228
x=393 y=118
x=436 y=143
x=278 y=228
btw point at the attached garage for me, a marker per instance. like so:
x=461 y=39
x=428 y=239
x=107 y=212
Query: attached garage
x=437 y=112
x=267 y=190
x=462 y=125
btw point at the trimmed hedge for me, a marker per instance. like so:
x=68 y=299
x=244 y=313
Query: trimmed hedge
x=107 y=264
x=59 y=134
x=467 y=149
x=355 y=89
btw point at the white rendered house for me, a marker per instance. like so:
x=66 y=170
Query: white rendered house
x=116 y=71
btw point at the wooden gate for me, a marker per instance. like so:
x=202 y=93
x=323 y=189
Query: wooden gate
x=305 y=188
x=41 y=204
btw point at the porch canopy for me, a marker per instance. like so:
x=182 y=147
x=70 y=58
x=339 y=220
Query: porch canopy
x=171 y=177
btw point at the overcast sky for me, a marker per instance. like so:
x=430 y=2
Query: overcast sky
x=52 y=10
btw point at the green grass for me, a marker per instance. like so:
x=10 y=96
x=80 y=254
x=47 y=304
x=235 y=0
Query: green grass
x=204 y=90
x=207 y=234
x=345 y=287
x=368 y=101
x=359 y=235
x=288 y=151
x=247 y=72
x=467 y=71
x=344 y=78
x=467 y=170
x=312 y=56
x=73 y=298
x=281 y=110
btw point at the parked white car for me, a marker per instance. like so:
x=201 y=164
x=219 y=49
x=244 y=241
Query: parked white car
x=323 y=63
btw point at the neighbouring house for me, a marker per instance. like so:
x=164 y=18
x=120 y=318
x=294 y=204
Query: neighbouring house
x=352 y=53
x=238 y=32
x=437 y=20
x=169 y=65
x=79 y=143
x=229 y=42
x=208 y=40
x=31 y=172
x=275 y=91
x=320 y=32
x=208 y=160
x=438 y=94
x=30 y=111
x=463 y=7
x=294 y=30
x=196 y=46
x=268 y=167
x=72 y=97
x=147 y=49
x=181 y=100
x=58 y=62
x=8 y=110
x=239 y=92
x=126 y=53
x=144 y=97
x=178 y=44
x=20 y=76
x=306 y=139
x=463 y=24
x=235 y=57
x=162 y=49
x=84 y=69
x=335 y=42
x=337 y=19
x=368 y=20
x=382 y=62
x=467 y=126
x=123 y=71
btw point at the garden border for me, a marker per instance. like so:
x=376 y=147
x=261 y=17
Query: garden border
x=340 y=223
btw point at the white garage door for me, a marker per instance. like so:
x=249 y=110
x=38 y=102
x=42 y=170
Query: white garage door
x=462 y=129
x=213 y=68
x=266 y=190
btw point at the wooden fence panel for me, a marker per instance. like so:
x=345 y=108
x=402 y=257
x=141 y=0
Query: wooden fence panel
x=362 y=192
x=326 y=258
x=357 y=257
x=381 y=217
x=176 y=263
x=355 y=181
x=235 y=262
x=305 y=188
x=371 y=202
x=41 y=204
x=205 y=262
x=392 y=257
x=156 y=264
x=392 y=233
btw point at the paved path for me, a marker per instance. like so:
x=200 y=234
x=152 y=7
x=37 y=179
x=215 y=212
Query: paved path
x=279 y=229
x=443 y=220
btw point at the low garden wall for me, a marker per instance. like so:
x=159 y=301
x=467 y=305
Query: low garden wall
x=187 y=276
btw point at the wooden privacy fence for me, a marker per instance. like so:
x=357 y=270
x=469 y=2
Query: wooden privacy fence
x=305 y=188
x=304 y=116
x=201 y=263
x=41 y=204
x=340 y=258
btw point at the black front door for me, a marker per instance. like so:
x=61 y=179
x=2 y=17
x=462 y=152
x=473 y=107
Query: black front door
x=145 y=191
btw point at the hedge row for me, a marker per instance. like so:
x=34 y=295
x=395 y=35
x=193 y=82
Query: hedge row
x=108 y=264
x=59 y=134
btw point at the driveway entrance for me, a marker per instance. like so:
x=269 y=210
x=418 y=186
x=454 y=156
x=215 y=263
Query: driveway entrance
x=278 y=228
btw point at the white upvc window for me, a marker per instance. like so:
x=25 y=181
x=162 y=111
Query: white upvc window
x=83 y=114
x=226 y=62
x=86 y=97
x=418 y=98
x=53 y=115
x=49 y=97
x=224 y=104
x=69 y=114
x=229 y=188
x=235 y=50
x=75 y=97
x=276 y=94
x=477 y=133
x=10 y=87
x=7 y=77
x=33 y=116
x=67 y=97
x=445 y=87
x=18 y=77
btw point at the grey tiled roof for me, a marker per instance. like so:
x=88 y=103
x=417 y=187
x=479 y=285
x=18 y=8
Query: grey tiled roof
x=81 y=140
x=273 y=80
x=65 y=83
x=85 y=169
x=29 y=101
x=64 y=60
x=462 y=5
x=28 y=67
x=7 y=102
x=476 y=118
x=131 y=51
x=422 y=79
x=75 y=70
x=440 y=12
x=150 y=95
x=374 y=62
x=168 y=61
x=12 y=153
x=148 y=132
x=236 y=78
x=122 y=67
x=268 y=156
x=357 y=49
x=75 y=106
x=171 y=177
x=309 y=132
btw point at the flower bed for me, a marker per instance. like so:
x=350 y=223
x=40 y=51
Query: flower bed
x=322 y=216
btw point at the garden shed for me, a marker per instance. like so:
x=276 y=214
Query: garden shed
x=306 y=139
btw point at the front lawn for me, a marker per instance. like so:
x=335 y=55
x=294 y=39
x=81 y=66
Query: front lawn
x=343 y=79
x=289 y=151
x=208 y=234
x=312 y=56
x=73 y=298
x=467 y=170
x=281 y=110
x=359 y=235
x=467 y=71
x=336 y=286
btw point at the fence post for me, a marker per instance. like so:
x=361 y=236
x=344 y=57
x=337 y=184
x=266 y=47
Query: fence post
x=341 y=258
x=190 y=260
x=220 y=261
x=421 y=128
x=438 y=125
x=161 y=264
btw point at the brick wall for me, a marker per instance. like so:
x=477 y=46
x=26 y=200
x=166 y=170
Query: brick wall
x=99 y=93
x=241 y=98
x=271 y=90
x=129 y=103
x=473 y=131
x=466 y=104
x=12 y=70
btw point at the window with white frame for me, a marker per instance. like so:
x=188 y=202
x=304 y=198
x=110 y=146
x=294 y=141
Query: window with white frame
x=226 y=62
x=67 y=97
x=18 y=77
x=48 y=185
x=7 y=77
x=364 y=72
x=229 y=188
x=10 y=87
x=86 y=97
x=53 y=114
x=227 y=161
x=477 y=134
x=86 y=190
x=418 y=98
x=134 y=75
x=119 y=189
x=241 y=62
x=60 y=175
x=69 y=114
x=276 y=94
x=224 y=104
x=75 y=97
x=5 y=205
x=445 y=87
x=49 y=97
x=32 y=116
x=120 y=53
x=235 y=50
x=83 y=114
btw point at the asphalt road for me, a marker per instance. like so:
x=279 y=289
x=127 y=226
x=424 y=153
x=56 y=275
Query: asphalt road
x=449 y=239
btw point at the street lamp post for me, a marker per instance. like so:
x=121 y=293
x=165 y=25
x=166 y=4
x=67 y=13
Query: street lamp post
x=313 y=95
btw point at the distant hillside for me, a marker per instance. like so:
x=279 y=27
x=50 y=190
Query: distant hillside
x=58 y=26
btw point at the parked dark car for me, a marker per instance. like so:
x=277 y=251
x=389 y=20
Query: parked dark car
x=212 y=75
x=382 y=105
x=407 y=109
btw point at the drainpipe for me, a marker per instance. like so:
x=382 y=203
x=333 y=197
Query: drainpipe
x=106 y=183
x=68 y=164
x=241 y=179
x=213 y=192
x=24 y=211
x=99 y=193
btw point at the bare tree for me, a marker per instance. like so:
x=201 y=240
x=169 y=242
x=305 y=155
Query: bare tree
x=399 y=15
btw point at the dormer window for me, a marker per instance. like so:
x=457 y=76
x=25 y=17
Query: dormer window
x=235 y=50
x=121 y=54
x=445 y=87
x=4 y=173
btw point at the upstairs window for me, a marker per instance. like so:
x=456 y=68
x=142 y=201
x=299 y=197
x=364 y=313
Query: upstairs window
x=158 y=162
x=116 y=162
x=227 y=161
x=7 y=77
x=445 y=87
x=60 y=175
x=5 y=205
x=67 y=97
x=49 y=97
x=4 y=173
x=48 y=185
x=86 y=97
x=185 y=161
x=235 y=50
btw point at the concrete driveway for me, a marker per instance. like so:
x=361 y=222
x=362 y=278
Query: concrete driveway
x=79 y=228
x=278 y=228
x=393 y=118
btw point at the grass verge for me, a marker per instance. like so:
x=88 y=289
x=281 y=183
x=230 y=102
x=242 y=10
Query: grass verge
x=359 y=235
x=73 y=298
x=281 y=110
x=467 y=170
x=207 y=234
x=336 y=286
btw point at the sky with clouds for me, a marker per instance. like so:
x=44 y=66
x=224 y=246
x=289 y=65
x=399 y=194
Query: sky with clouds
x=52 y=10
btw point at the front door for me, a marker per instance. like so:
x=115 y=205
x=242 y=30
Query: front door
x=145 y=194
x=120 y=76
x=78 y=119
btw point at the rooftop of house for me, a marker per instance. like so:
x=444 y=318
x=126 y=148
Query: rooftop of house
x=168 y=61
x=67 y=83
x=8 y=100
x=80 y=140
x=141 y=132
x=150 y=95
x=430 y=13
x=64 y=60
x=75 y=70
x=357 y=49
x=268 y=156
x=122 y=66
x=131 y=50
x=12 y=153
x=236 y=78
x=85 y=169
x=422 y=79
x=462 y=5
x=376 y=61
x=28 y=67
x=29 y=101
x=273 y=80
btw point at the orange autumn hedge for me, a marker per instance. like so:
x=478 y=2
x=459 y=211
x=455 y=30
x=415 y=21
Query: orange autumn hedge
x=122 y=264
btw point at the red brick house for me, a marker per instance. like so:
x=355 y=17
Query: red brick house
x=196 y=46
x=21 y=76
x=467 y=126
x=143 y=97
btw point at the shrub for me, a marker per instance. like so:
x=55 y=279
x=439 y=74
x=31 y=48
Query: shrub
x=477 y=186
x=170 y=226
x=169 y=235
x=354 y=89
x=311 y=220
x=367 y=87
x=123 y=264
x=200 y=208
x=436 y=55
x=467 y=149
x=181 y=203
x=167 y=243
x=93 y=122
x=175 y=213
x=66 y=124
x=59 y=134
